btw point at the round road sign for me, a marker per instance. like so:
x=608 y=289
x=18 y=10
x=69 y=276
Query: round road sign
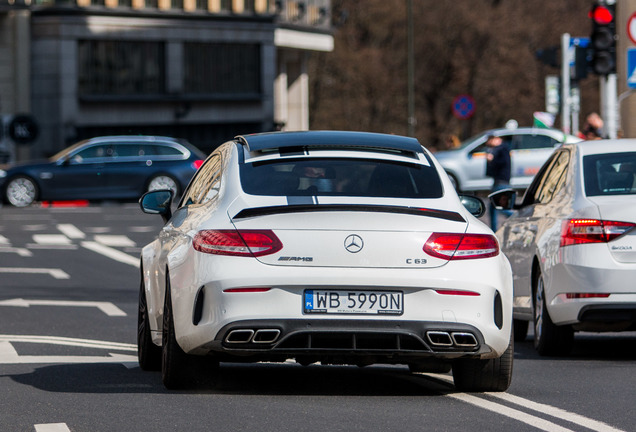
x=631 y=28
x=463 y=107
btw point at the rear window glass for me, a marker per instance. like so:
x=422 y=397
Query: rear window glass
x=341 y=177
x=610 y=174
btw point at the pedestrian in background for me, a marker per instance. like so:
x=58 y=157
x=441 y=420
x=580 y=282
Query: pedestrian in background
x=593 y=129
x=498 y=167
x=451 y=142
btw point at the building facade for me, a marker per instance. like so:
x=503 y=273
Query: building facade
x=204 y=70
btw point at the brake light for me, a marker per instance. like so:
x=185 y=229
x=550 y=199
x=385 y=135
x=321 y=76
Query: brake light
x=452 y=246
x=237 y=243
x=247 y=290
x=585 y=295
x=197 y=164
x=457 y=292
x=581 y=231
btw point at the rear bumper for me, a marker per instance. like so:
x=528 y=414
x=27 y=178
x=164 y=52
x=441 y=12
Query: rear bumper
x=349 y=341
x=604 y=276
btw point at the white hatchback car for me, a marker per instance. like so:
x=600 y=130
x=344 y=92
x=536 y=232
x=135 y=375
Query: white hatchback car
x=331 y=247
x=572 y=244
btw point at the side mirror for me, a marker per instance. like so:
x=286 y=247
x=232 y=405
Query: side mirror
x=504 y=199
x=157 y=202
x=473 y=204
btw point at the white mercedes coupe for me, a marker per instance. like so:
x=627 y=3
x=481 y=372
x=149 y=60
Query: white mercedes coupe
x=324 y=246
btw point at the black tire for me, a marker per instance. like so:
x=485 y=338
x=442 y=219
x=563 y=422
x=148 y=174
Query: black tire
x=175 y=368
x=148 y=353
x=475 y=375
x=520 y=328
x=21 y=191
x=178 y=369
x=549 y=339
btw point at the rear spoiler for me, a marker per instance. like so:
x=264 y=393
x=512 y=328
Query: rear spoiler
x=305 y=208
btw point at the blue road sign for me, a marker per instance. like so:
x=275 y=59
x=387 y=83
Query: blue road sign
x=631 y=67
x=463 y=107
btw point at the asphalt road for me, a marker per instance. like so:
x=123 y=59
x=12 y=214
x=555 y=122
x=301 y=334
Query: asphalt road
x=68 y=304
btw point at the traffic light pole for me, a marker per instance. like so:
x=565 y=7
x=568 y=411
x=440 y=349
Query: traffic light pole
x=565 y=84
x=609 y=104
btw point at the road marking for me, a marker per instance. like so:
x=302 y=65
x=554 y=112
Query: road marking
x=34 y=227
x=20 y=251
x=52 y=427
x=8 y=354
x=59 y=340
x=56 y=273
x=51 y=239
x=143 y=229
x=4 y=240
x=98 y=230
x=556 y=412
x=521 y=416
x=114 y=240
x=106 y=307
x=537 y=422
x=71 y=231
x=111 y=253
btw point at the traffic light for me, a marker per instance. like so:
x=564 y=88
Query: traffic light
x=603 y=39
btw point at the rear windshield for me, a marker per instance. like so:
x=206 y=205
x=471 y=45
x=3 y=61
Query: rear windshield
x=610 y=174
x=341 y=177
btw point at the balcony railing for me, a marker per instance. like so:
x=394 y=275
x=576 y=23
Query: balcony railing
x=301 y=13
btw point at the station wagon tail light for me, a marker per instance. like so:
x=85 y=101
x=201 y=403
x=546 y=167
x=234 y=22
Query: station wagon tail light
x=237 y=243
x=581 y=231
x=197 y=164
x=453 y=246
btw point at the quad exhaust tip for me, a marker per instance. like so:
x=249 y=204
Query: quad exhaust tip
x=257 y=336
x=447 y=339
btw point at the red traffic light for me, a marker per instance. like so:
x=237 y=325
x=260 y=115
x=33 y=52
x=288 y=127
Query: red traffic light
x=601 y=15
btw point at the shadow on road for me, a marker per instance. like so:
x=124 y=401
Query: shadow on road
x=588 y=346
x=251 y=379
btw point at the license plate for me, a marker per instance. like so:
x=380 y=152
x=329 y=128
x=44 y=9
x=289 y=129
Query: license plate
x=353 y=302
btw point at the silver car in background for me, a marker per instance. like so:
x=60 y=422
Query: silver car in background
x=572 y=244
x=529 y=149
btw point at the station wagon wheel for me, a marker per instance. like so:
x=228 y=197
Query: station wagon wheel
x=549 y=339
x=163 y=182
x=148 y=353
x=21 y=191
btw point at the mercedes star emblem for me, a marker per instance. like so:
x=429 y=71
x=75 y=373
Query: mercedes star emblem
x=353 y=243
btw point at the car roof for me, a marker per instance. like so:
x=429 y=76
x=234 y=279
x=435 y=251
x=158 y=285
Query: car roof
x=137 y=138
x=329 y=140
x=606 y=146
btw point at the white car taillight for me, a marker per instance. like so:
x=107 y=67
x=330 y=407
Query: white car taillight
x=580 y=231
x=237 y=243
x=453 y=246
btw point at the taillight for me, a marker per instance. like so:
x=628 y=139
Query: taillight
x=197 y=164
x=586 y=295
x=580 y=231
x=451 y=246
x=237 y=243
x=457 y=292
